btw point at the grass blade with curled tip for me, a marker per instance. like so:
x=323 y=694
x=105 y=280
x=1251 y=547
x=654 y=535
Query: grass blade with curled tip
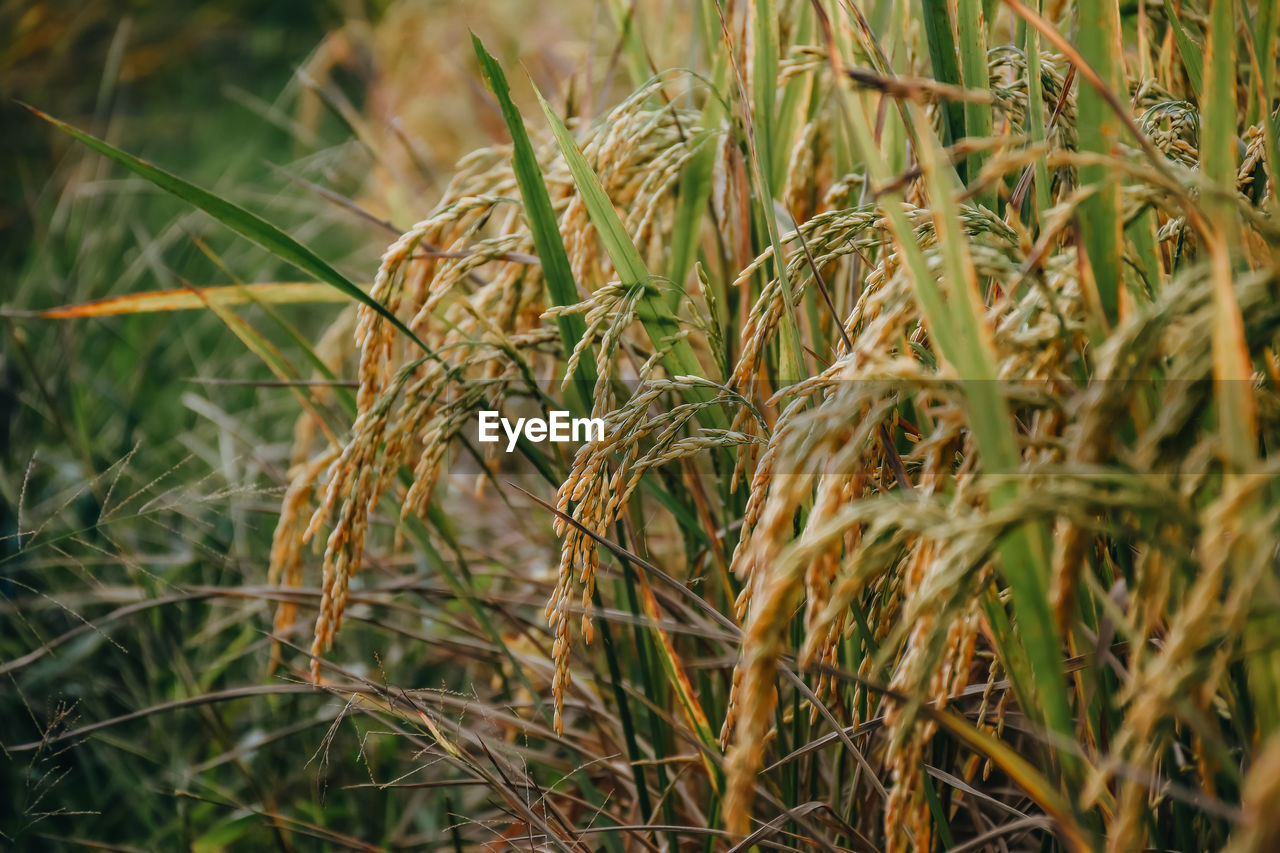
x=693 y=193
x=543 y=224
x=239 y=220
x=659 y=322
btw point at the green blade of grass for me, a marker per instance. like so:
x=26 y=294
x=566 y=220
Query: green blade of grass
x=1218 y=108
x=787 y=109
x=1231 y=366
x=634 y=755
x=972 y=32
x=937 y=811
x=543 y=224
x=764 y=83
x=1266 y=45
x=243 y=222
x=865 y=36
x=1035 y=116
x=696 y=181
x=1099 y=132
x=1192 y=57
x=942 y=58
x=1266 y=30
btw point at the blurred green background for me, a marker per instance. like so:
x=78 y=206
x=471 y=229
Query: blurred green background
x=122 y=481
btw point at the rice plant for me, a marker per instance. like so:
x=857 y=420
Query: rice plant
x=936 y=348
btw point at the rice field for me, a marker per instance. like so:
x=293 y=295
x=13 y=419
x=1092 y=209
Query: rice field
x=934 y=348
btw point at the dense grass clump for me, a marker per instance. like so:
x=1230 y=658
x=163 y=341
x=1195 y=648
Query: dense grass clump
x=936 y=508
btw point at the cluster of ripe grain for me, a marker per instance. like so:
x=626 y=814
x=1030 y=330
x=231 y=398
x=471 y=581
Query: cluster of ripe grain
x=868 y=493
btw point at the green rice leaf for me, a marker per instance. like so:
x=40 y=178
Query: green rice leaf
x=1231 y=365
x=659 y=322
x=1099 y=132
x=972 y=32
x=942 y=58
x=694 y=190
x=1035 y=116
x=243 y=222
x=542 y=222
x=1192 y=57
